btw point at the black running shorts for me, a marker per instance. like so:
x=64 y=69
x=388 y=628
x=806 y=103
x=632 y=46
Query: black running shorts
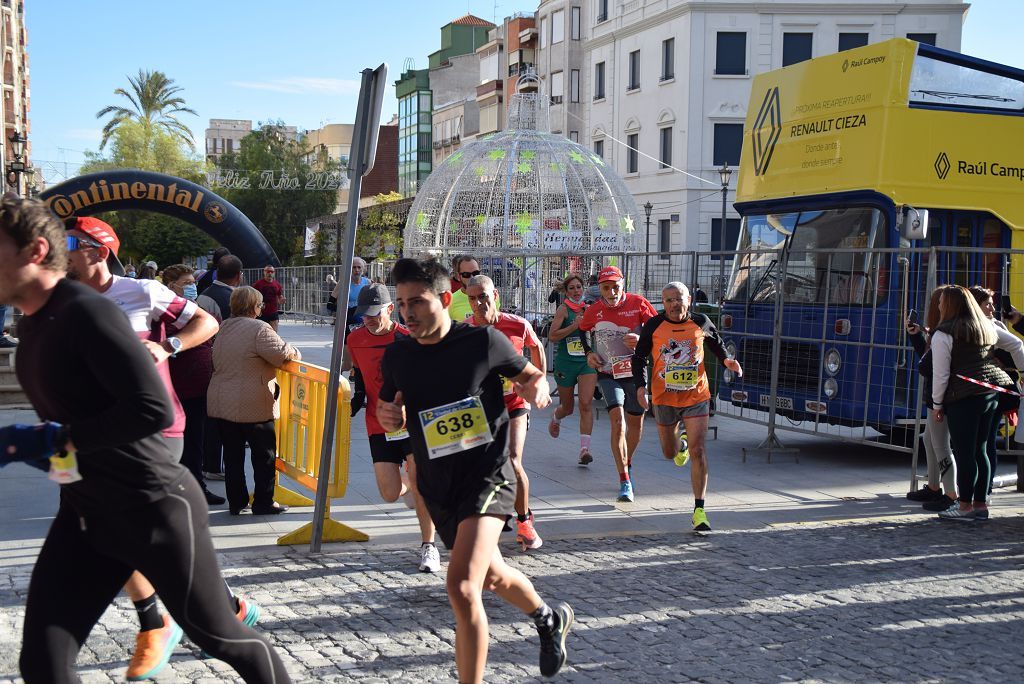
x=494 y=494
x=383 y=451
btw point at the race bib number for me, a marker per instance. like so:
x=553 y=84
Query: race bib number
x=507 y=388
x=622 y=367
x=574 y=346
x=397 y=435
x=455 y=427
x=679 y=378
x=64 y=469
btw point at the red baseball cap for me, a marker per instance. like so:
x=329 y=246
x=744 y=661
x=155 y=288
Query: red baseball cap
x=609 y=273
x=101 y=232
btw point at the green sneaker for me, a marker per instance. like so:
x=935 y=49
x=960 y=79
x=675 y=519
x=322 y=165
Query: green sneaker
x=700 y=521
x=683 y=456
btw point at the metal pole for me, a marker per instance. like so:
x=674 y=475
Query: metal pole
x=721 y=248
x=363 y=124
x=647 y=252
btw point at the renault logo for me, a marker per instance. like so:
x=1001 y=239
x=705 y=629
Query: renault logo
x=942 y=165
x=767 y=129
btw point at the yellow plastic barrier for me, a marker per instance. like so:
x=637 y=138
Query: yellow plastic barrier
x=299 y=436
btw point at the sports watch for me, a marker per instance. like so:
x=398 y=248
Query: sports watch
x=175 y=345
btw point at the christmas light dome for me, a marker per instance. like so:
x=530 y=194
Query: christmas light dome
x=522 y=191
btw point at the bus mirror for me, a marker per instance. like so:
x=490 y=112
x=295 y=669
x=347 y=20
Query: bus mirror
x=915 y=224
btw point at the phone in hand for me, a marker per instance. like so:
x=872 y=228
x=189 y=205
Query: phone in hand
x=913 y=318
x=1006 y=305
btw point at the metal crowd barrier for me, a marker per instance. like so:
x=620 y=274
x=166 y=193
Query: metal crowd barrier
x=299 y=435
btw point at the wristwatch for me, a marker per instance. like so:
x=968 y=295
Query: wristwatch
x=175 y=346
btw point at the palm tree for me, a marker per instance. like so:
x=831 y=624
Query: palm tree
x=155 y=104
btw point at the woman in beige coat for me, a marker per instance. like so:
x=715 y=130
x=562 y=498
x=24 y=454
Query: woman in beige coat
x=243 y=397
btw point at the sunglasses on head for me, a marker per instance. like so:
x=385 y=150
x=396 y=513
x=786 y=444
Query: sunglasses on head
x=76 y=243
x=469 y=274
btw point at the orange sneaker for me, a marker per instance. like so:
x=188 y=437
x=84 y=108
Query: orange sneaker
x=248 y=612
x=153 y=649
x=526 y=535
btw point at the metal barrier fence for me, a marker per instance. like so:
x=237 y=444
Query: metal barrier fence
x=820 y=332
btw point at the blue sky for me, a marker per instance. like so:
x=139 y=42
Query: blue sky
x=248 y=60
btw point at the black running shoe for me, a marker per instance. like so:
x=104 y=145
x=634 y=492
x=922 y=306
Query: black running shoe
x=552 y=641
x=925 y=493
x=938 y=505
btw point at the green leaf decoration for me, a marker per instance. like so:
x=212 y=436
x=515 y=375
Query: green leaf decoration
x=524 y=167
x=576 y=157
x=523 y=222
x=496 y=155
x=527 y=155
x=421 y=220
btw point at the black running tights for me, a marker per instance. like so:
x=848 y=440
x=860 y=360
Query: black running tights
x=85 y=561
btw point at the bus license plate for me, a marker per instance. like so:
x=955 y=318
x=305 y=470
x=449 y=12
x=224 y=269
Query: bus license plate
x=780 y=402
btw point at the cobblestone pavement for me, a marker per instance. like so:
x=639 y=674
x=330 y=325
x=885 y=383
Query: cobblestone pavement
x=908 y=599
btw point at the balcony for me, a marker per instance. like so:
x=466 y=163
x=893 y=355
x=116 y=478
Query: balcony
x=602 y=17
x=437 y=144
x=556 y=99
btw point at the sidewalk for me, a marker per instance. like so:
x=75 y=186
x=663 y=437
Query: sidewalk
x=818 y=569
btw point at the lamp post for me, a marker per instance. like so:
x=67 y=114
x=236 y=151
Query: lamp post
x=16 y=167
x=724 y=173
x=648 y=207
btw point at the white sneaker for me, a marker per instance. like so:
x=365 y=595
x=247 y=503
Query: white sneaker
x=430 y=559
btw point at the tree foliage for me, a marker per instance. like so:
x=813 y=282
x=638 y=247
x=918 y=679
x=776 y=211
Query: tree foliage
x=380 y=232
x=146 y=235
x=155 y=103
x=273 y=184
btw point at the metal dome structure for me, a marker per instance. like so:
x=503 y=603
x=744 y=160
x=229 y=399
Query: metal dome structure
x=522 y=191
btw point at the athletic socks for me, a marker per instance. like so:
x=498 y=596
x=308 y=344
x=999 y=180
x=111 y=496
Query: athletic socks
x=544 y=617
x=585 y=442
x=698 y=503
x=523 y=518
x=149 y=614
x=624 y=477
x=235 y=605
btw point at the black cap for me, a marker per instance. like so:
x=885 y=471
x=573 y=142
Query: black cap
x=372 y=299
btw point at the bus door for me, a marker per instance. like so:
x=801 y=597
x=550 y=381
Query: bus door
x=970 y=230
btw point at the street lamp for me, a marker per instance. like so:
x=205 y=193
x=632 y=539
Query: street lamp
x=724 y=173
x=16 y=167
x=648 y=207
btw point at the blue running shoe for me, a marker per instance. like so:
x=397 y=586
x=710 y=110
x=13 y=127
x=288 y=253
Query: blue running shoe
x=626 y=492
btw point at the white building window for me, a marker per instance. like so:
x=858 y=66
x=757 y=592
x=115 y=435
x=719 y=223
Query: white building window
x=557 y=27
x=574 y=30
x=557 y=87
x=543 y=32
x=574 y=136
x=574 y=85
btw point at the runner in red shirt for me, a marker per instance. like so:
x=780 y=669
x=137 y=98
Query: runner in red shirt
x=480 y=291
x=614 y=322
x=364 y=349
x=273 y=297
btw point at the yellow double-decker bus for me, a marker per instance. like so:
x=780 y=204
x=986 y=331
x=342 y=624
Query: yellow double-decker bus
x=866 y=177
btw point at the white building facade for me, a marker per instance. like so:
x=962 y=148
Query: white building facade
x=672 y=78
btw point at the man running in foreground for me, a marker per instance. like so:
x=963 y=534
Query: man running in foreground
x=679 y=384
x=364 y=349
x=126 y=503
x=615 y=320
x=481 y=294
x=443 y=384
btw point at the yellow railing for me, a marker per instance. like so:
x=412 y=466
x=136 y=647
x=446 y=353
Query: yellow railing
x=299 y=437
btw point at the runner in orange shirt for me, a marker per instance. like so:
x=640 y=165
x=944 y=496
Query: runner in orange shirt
x=679 y=383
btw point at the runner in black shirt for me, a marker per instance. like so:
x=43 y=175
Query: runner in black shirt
x=445 y=379
x=125 y=502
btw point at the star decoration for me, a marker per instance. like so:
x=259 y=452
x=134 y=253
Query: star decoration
x=627 y=224
x=527 y=155
x=597 y=160
x=421 y=220
x=602 y=222
x=479 y=170
x=524 y=167
x=576 y=157
x=496 y=155
x=480 y=218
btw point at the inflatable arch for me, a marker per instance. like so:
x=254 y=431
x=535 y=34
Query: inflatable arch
x=138 y=190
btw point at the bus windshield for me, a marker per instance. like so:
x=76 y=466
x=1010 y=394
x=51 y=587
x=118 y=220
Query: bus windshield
x=814 y=275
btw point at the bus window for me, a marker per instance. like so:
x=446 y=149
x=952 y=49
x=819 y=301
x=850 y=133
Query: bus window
x=992 y=264
x=961 y=260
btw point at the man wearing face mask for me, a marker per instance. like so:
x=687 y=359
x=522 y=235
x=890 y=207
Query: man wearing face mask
x=273 y=296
